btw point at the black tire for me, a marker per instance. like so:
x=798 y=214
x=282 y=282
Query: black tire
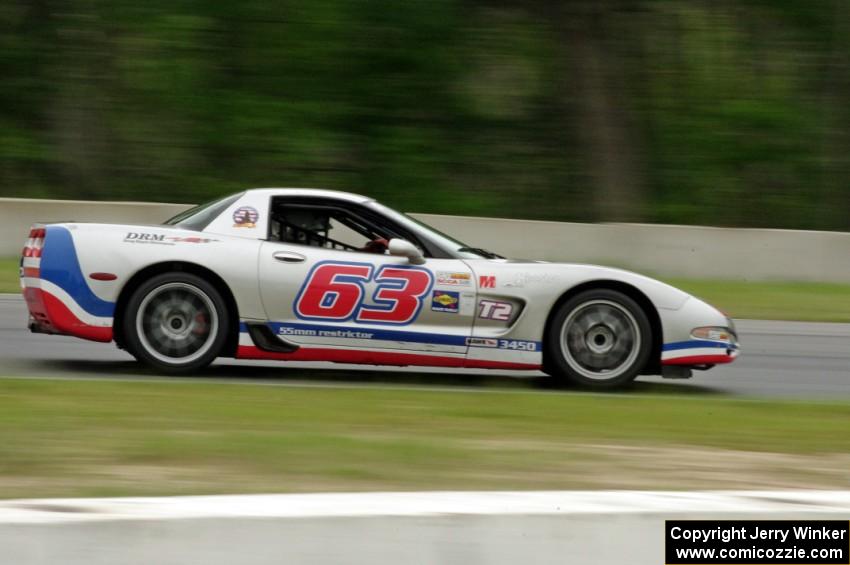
x=598 y=339
x=176 y=323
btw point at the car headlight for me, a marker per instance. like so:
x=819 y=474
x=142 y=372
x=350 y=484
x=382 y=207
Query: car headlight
x=714 y=333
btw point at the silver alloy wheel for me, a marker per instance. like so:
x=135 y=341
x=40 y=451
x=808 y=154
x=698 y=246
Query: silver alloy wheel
x=177 y=323
x=600 y=339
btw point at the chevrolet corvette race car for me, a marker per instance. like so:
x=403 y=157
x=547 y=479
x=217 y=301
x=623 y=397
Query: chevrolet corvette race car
x=317 y=275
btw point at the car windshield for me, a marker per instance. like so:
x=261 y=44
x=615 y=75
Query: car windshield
x=199 y=217
x=448 y=243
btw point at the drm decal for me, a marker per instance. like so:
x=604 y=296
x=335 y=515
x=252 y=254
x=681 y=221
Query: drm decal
x=162 y=239
x=336 y=291
x=445 y=301
x=140 y=237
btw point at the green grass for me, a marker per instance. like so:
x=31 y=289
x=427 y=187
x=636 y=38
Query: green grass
x=816 y=302
x=96 y=438
x=9 y=281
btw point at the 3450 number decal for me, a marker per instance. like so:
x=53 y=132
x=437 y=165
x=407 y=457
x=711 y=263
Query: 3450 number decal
x=335 y=291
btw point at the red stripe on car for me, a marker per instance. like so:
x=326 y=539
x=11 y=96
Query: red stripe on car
x=699 y=360
x=62 y=319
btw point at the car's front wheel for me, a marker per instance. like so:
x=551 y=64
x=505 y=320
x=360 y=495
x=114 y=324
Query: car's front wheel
x=599 y=338
x=176 y=322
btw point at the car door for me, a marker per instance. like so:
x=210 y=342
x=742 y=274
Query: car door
x=315 y=296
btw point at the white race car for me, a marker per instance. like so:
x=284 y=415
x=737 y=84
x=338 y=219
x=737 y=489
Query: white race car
x=317 y=275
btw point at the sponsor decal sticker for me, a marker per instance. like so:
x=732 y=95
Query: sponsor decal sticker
x=445 y=301
x=349 y=334
x=137 y=237
x=162 y=239
x=447 y=278
x=515 y=344
x=394 y=335
x=487 y=281
x=482 y=342
x=495 y=310
x=191 y=239
x=518 y=344
x=520 y=280
x=245 y=217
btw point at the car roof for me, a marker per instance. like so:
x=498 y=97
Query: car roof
x=316 y=192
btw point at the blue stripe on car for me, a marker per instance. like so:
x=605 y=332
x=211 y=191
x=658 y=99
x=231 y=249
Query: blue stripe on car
x=60 y=265
x=691 y=343
x=376 y=334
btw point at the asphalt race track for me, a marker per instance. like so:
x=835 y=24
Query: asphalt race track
x=806 y=360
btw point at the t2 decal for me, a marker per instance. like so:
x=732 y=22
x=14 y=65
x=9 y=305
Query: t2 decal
x=494 y=310
x=335 y=291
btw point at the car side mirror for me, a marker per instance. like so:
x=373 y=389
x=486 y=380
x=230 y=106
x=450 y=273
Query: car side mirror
x=403 y=248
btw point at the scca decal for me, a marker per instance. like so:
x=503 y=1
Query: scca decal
x=335 y=291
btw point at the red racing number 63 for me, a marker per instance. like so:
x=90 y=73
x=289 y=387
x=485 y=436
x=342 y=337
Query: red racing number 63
x=335 y=291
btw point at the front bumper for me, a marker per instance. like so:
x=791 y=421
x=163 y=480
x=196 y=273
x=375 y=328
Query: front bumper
x=697 y=352
x=701 y=352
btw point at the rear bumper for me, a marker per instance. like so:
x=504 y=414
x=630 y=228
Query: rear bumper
x=58 y=297
x=50 y=315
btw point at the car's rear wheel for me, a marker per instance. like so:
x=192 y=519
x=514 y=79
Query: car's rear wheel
x=599 y=338
x=176 y=322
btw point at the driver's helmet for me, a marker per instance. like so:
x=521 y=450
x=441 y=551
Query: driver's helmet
x=302 y=226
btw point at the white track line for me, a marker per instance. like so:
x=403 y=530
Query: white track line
x=336 y=505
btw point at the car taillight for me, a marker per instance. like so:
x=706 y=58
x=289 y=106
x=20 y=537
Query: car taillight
x=35 y=243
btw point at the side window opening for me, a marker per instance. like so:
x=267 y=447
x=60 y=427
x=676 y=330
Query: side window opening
x=329 y=226
x=301 y=226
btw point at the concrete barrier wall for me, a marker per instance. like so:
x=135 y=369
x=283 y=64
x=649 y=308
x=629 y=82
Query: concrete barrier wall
x=679 y=251
x=18 y=214
x=676 y=251
x=602 y=527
